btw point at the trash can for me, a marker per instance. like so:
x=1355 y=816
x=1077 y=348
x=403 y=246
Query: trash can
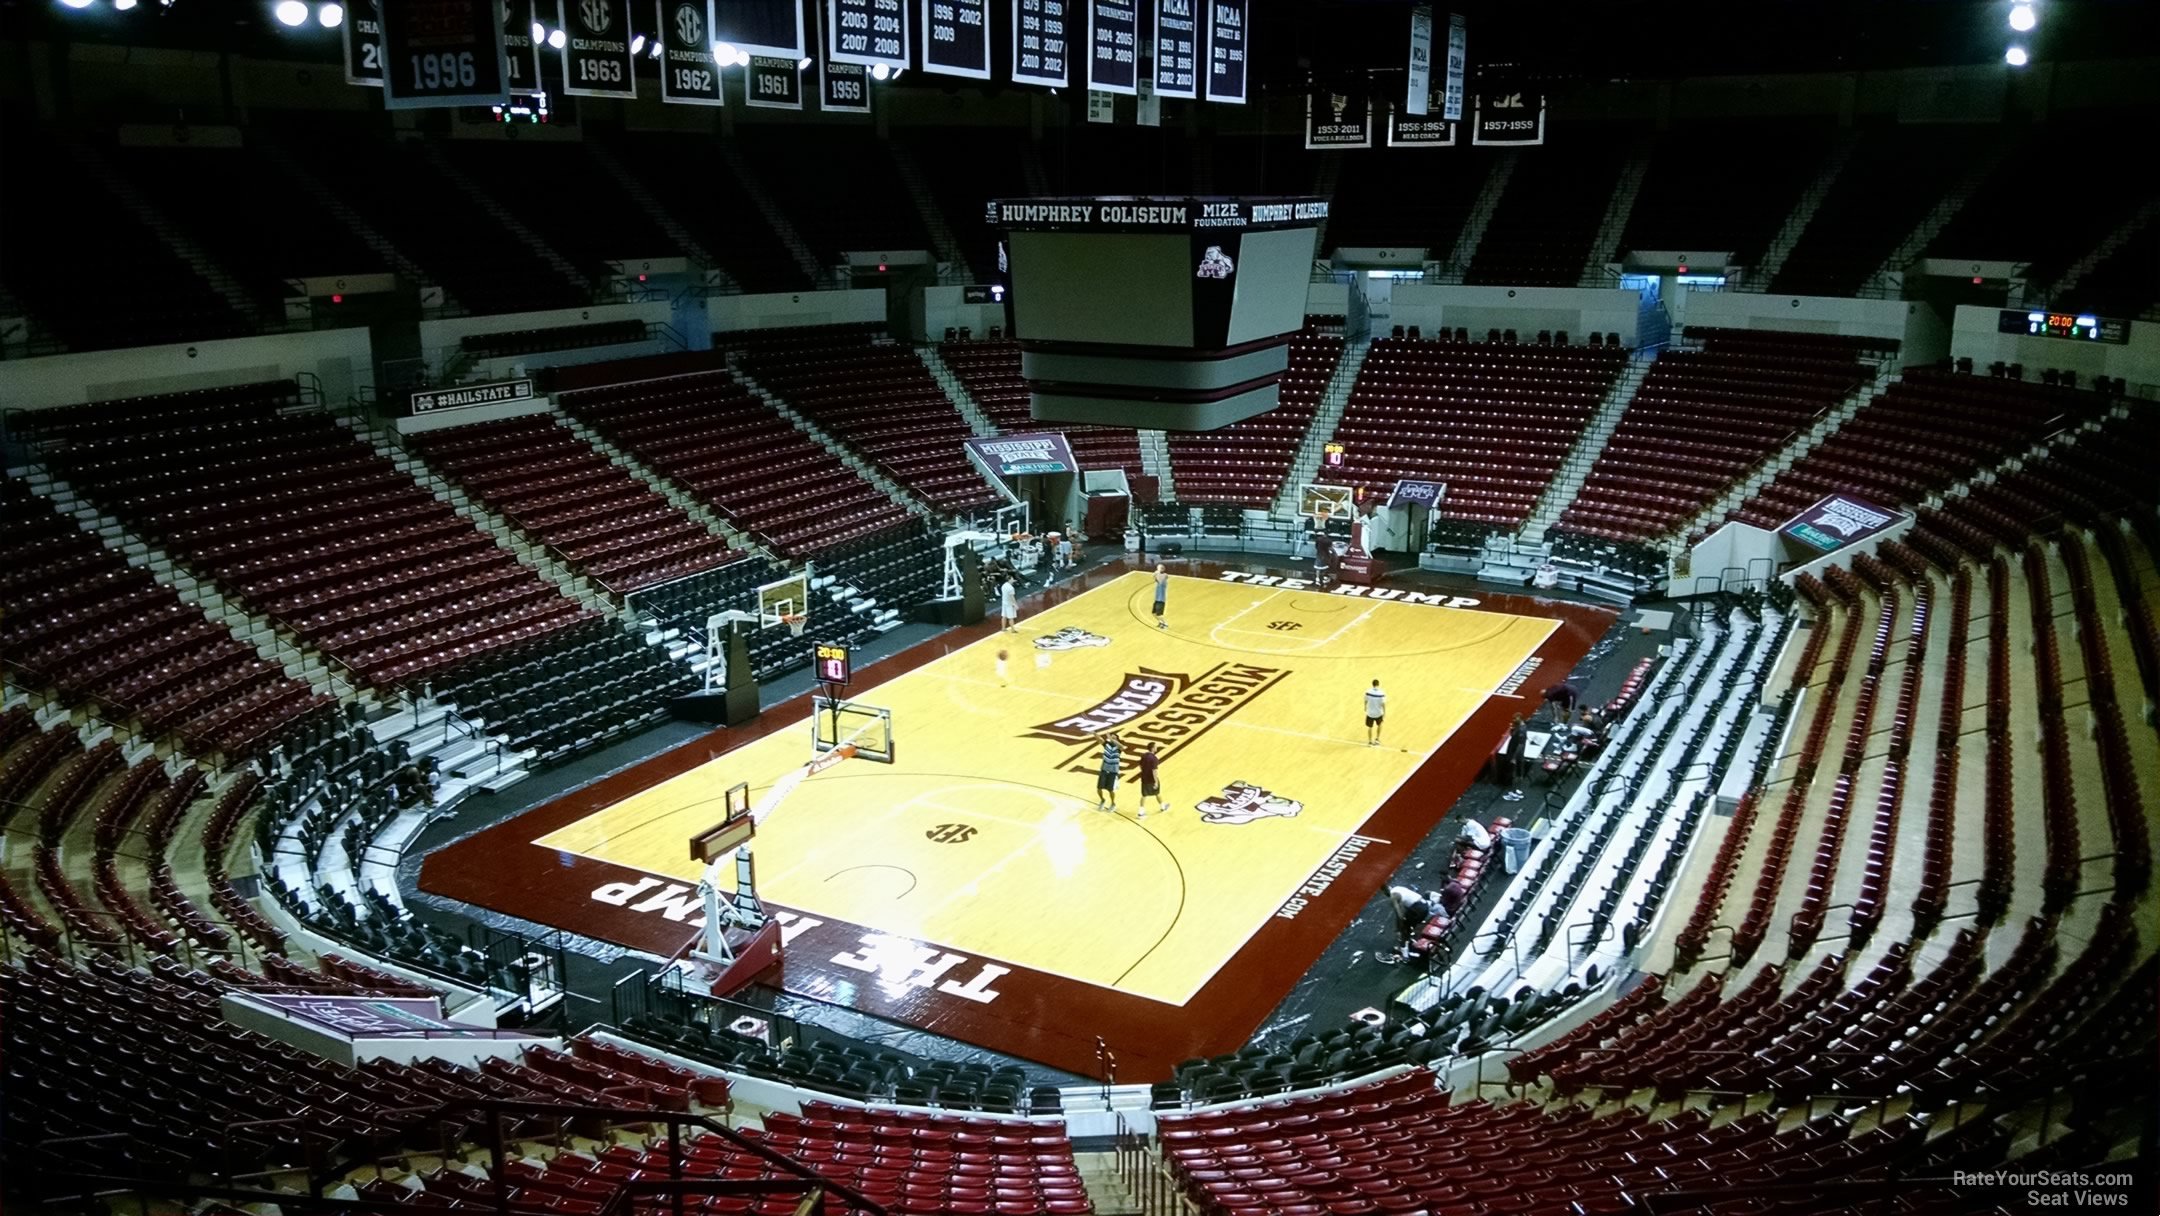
x=1517 y=843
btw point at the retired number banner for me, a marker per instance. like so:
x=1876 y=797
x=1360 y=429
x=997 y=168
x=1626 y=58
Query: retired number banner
x=1509 y=119
x=688 y=74
x=1338 y=120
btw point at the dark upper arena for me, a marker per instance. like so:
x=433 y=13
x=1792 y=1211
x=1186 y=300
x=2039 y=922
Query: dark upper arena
x=428 y=418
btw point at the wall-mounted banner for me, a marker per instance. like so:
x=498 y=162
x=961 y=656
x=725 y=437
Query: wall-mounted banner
x=688 y=75
x=520 y=52
x=1114 y=46
x=1838 y=520
x=443 y=53
x=1338 y=120
x=1102 y=107
x=956 y=38
x=1417 y=494
x=772 y=84
x=464 y=397
x=1458 y=61
x=1149 y=112
x=1419 y=89
x=1026 y=454
x=1177 y=48
x=1041 y=42
x=772 y=28
x=363 y=44
x=1227 y=47
x=867 y=32
x=596 y=54
x=1431 y=131
x=844 y=88
x=1509 y=118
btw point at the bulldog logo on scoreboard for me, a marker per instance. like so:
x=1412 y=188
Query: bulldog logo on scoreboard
x=1244 y=802
x=1215 y=264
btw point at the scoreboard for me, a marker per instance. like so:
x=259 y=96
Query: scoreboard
x=832 y=663
x=2084 y=327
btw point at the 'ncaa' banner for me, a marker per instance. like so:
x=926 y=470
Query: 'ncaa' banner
x=518 y=45
x=760 y=27
x=1420 y=85
x=1177 y=48
x=688 y=74
x=1338 y=120
x=844 y=88
x=1228 y=43
x=596 y=55
x=438 y=53
x=1024 y=455
x=1458 y=59
x=363 y=44
x=772 y=84
x=1114 y=46
x=1509 y=119
x=866 y=32
x=956 y=38
x=1041 y=42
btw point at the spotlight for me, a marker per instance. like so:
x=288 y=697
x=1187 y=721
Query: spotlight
x=331 y=16
x=879 y=71
x=723 y=53
x=804 y=66
x=123 y=5
x=2023 y=18
x=2016 y=57
x=290 y=13
x=656 y=51
x=557 y=39
x=77 y=3
x=637 y=43
x=539 y=32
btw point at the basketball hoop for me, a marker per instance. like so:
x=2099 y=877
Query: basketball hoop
x=796 y=622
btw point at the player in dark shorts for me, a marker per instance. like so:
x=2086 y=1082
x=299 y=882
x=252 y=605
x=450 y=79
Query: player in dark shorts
x=1150 y=784
x=1106 y=780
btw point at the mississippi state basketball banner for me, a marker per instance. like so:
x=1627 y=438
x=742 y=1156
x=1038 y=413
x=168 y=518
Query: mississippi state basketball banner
x=843 y=88
x=1510 y=118
x=523 y=54
x=1228 y=41
x=596 y=48
x=772 y=84
x=1338 y=119
x=688 y=74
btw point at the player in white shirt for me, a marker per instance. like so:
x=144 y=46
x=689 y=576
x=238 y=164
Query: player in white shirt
x=1375 y=710
x=1008 y=606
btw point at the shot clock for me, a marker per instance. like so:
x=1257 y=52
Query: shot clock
x=832 y=663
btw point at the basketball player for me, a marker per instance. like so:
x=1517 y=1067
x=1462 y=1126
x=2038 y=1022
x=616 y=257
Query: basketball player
x=1375 y=710
x=1162 y=593
x=1150 y=783
x=1008 y=606
x=1106 y=780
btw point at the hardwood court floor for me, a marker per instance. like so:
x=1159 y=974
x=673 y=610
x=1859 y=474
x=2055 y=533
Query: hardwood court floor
x=984 y=836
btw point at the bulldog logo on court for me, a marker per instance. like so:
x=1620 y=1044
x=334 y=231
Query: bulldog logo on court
x=1070 y=638
x=1244 y=802
x=950 y=833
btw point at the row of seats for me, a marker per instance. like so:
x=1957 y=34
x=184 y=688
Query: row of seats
x=990 y=372
x=1246 y=462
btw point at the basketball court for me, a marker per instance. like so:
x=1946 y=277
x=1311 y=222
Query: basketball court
x=974 y=865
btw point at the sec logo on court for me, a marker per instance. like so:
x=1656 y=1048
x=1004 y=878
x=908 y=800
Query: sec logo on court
x=950 y=833
x=1284 y=626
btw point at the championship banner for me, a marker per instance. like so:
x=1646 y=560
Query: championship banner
x=866 y=32
x=956 y=38
x=519 y=49
x=1419 y=89
x=843 y=88
x=438 y=53
x=1338 y=120
x=1837 y=521
x=363 y=44
x=1227 y=46
x=596 y=51
x=1177 y=49
x=1025 y=455
x=773 y=28
x=1102 y=107
x=1417 y=494
x=1458 y=60
x=1149 y=111
x=772 y=84
x=688 y=74
x=1041 y=42
x=1509 y=119
x=1114 y=46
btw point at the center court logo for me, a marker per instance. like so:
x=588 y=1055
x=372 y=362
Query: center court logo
x=1244 y=802
x=1070 y=639
x=1168 y=709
